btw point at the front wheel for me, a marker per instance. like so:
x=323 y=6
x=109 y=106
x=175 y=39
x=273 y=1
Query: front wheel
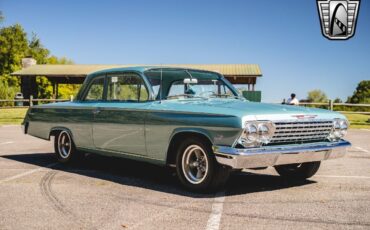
x=197 y=167
x=64 y=147
x=298 y=171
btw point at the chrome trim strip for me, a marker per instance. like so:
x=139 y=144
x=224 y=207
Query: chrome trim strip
x=303 y=124
x=101 y=105
x=300 y=136
x=280 y=130
x=282 y=148
x=297 y=131
x=302 y=120
x=278 y=155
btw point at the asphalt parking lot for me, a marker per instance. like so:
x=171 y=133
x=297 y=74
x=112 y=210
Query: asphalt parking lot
x=109 y=193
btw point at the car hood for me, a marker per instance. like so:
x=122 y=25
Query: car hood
x=253 y=110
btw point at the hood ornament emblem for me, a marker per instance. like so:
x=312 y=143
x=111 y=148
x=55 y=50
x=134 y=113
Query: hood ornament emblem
x=304 y=116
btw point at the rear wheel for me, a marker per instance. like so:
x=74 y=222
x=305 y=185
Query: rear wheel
x=298 y=171
x=64 y=147
x=197 y=167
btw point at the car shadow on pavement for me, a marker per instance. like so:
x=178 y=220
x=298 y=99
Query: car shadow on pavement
x=149 y=176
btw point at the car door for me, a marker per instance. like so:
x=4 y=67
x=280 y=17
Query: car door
x=83 y=113
x=119 y=120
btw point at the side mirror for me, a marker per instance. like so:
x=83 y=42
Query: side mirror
x=190 y=81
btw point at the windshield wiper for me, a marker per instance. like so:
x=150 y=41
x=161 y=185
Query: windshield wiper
x=185 y=95
x=225 y=95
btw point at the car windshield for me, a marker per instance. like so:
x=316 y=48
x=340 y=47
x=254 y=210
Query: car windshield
x=182 y=83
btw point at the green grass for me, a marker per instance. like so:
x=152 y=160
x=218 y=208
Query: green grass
x=358 y=121
x=12 y=116
x=15 y=116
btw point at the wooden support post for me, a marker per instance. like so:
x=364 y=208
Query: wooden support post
x=331 y=105
x=31 y=100
x=56 y=90
x=34 y=89
x=26 y=87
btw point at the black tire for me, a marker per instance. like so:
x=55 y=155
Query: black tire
x=65 y=153
x=298 y=171
x=215 y=174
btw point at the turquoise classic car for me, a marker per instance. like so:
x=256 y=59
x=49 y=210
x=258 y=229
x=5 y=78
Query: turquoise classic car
x=193 y=120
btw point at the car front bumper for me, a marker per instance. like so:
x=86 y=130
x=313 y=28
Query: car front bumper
x=279 y=155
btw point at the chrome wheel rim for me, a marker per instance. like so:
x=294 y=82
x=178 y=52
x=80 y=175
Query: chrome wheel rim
x=195 y=164
x=64 y=144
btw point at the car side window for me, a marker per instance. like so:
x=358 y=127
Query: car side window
x=95 y=92
x=127 y=87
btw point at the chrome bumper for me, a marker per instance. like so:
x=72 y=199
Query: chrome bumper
x=279 y=155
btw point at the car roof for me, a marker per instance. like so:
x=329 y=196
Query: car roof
x=142 y=69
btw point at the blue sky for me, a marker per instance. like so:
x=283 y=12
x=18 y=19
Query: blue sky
x=283 y=37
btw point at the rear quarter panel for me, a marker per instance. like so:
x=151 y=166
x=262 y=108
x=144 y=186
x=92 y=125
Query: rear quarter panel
x=76 y=117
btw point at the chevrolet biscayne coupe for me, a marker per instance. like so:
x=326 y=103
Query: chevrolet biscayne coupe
x=193 y=120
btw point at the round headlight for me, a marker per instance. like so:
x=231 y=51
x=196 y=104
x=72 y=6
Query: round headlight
x=265 y=132
x=251 y=133
x=337 y=124
x=343 y=127
x=336 y=128
x=256 y=133
x=339 y=130
x=343 y=124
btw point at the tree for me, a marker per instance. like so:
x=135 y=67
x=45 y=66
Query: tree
x=37 y=51
x=61 y=61
x=337 y=100
x=317 y=95
x=13 y=47
x=1 y=17
x=6 y=93
x=361 y=94
x=64 y=90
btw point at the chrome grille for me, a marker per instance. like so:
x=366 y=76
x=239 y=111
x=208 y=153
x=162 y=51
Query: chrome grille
x=301 y=131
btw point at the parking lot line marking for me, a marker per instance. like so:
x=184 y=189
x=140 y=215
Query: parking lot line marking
x=214 y=219
x=361 y=149
x=159 y=215
x=335 y=176
x=7 y=142
x=27 y=173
